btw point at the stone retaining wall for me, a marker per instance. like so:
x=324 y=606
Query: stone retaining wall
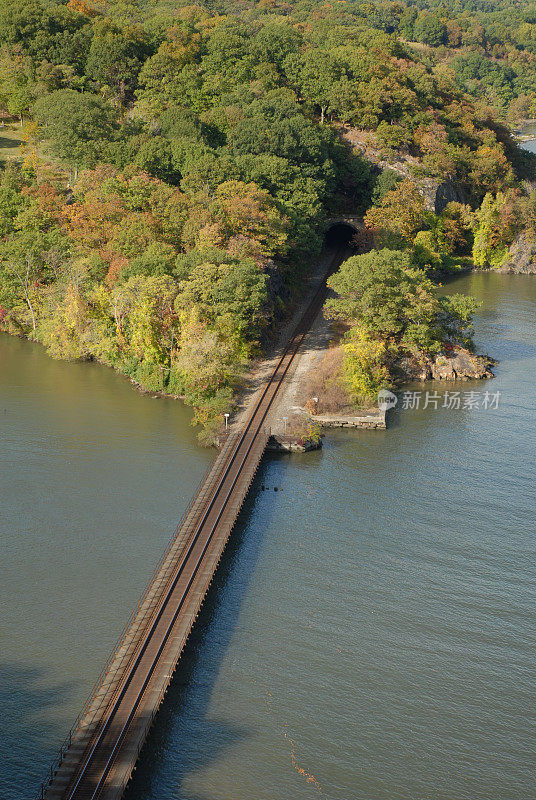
x=372 y=421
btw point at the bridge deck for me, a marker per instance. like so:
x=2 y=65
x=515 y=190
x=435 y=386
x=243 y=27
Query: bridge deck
x=98 y=758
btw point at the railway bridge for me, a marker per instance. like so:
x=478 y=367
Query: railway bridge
x=101 y=750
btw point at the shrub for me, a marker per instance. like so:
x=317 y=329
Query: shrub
x=365 y=370
x=326 y=382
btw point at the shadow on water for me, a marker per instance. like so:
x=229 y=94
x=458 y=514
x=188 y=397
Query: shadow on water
x=30 y=700
x=183 y=723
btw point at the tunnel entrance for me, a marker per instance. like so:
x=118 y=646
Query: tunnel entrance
x=340 y=234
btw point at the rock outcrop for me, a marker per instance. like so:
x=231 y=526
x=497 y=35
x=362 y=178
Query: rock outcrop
x=448 y=192
x=522 y=255
x=458 y=364
x=437 y=194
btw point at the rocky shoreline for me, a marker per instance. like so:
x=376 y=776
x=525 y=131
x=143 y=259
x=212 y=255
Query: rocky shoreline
x=458 y=364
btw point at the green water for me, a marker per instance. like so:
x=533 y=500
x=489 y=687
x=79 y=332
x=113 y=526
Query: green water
x=376 y=625
x=371 y=635
x=93 y=478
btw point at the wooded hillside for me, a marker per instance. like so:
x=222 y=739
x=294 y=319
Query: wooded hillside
x=177 y=163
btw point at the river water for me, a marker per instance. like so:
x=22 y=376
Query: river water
x=371 y=634
x=529 y=129
x=93 y=478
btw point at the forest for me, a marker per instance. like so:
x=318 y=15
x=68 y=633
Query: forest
x=167 y=170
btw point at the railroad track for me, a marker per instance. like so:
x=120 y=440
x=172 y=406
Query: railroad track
x=99 y=758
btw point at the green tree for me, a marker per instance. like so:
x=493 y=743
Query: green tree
x=275 y=42
x=227 y=293
x=116 y=57
x=365 y=370
x=386 y=181
x=385 y=295
x=429 y=29
x=316 y=75
x=11 y=199
x=64 y=328
x=456 y=317
x=21 y=20
x=157 y=259
x=156 y=157
x=76 y=126
x=17 y=83
x=407 y=22
x=495 y=225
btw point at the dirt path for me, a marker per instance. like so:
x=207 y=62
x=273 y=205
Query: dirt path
x=287 y=414
x=315 y=343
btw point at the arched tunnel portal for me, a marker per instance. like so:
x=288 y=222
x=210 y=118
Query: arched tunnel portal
x=340 y=234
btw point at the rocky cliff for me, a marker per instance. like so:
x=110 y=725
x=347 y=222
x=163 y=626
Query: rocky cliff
x=437 y=194
x=521 y=255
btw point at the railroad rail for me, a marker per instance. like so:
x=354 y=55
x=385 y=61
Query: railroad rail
x=101 y=750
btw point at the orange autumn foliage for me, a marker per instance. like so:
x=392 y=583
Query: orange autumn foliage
x=82 y=8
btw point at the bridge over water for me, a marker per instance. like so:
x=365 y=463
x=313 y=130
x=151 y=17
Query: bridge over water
x=101 y=750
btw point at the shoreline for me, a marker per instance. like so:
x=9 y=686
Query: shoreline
x=517 y=131
x=307 y=434
x=291 y=405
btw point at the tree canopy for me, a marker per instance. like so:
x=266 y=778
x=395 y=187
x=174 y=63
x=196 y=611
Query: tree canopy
x=179 y=163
